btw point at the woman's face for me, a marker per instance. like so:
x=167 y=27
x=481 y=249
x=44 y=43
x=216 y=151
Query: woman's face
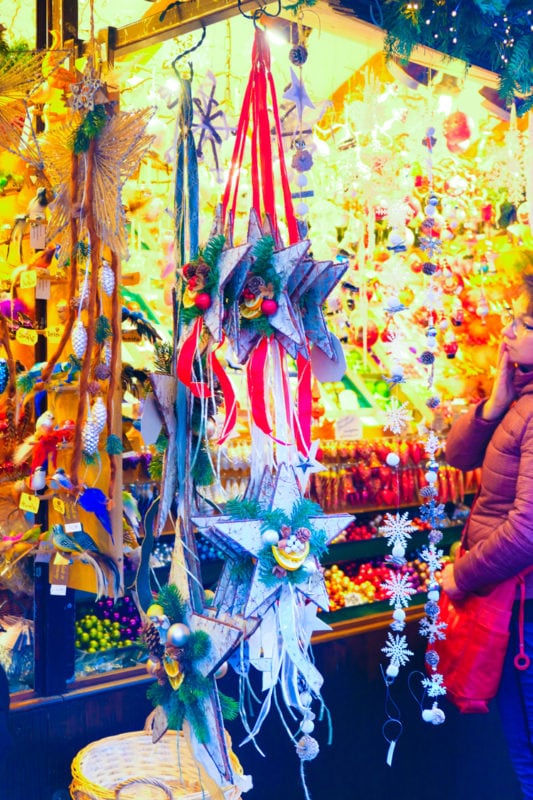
x=518 y=332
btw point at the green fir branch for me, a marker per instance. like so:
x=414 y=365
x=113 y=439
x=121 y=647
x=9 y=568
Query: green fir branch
x=91 y=127
x=114 y=445
x=212 y=250
x=102 y=329
x=173 y=604
x=163 y=357
x=229 y=706
x=155 y=467
x=240 y=508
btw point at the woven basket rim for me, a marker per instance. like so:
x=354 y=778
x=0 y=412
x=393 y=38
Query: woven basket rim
x=185 y=774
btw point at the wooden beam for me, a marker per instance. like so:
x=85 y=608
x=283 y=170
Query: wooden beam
x=180 y=18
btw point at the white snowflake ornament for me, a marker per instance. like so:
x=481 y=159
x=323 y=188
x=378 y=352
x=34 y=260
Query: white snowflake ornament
x=399 y=590
x=397 y=650
x=397 y=529
x=397 y=417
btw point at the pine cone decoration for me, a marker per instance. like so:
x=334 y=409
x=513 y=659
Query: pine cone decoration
x=99 y=414
x=107 y=278
x=79 y=339
x=150 y=634
x=90 y=437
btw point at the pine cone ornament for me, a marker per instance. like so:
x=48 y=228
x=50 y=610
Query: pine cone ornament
x=107 y=278
x=4 y=374
x=79 y=339
x=90 y=437
x=107 y=353
x=99 y=414
x=150 y=634
x=298 y=55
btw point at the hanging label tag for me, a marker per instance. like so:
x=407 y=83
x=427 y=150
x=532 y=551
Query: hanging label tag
x=72 y=521
x=37 y=235
x=59 y=589
x=54 y=333
x=28 y=279
x=29 y=502
x=26 y=336
x=58 y=505
x=42 y=289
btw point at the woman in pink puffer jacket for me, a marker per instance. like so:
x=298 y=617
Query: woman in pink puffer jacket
x=498 y=435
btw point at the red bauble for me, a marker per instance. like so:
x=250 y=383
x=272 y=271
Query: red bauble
x=372 y=335
x=269 y=307
x=202 y=301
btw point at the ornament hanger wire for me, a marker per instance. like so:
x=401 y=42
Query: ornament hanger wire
x=257 y=13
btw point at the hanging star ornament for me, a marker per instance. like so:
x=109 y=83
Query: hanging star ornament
x=228 y=263
x=244 y=538
x=297 y=94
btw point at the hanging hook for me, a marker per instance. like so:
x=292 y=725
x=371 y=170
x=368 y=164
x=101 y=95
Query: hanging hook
x=190 y=50
x=257 y=13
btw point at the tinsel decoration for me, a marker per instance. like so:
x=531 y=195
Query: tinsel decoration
x=79 y=339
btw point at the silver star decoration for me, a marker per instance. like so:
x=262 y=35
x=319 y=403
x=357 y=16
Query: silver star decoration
x=298 y=95
x=307 y=465
x=318 y=284
x=243 y=537
x=230 y=261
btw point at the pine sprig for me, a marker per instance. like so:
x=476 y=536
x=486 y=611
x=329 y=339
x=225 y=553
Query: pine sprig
x=102 y=329
x=212 y=250
x=239 y=508
x=173 y=604
x=155 y=467
x=113 y=445
x=263 y=265
x=91 y=127
x=163 y=355
x=229 y=706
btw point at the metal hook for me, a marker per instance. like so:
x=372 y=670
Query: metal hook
x=258 y=12
x=190 y=50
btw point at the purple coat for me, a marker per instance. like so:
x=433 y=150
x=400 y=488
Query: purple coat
x=500 y=533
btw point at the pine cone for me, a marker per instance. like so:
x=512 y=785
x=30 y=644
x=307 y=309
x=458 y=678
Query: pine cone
x=150 y=634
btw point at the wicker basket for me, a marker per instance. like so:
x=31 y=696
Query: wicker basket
x=130 y=767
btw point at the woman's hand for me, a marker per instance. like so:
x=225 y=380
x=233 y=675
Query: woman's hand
x=503 y=391
x=449 y=585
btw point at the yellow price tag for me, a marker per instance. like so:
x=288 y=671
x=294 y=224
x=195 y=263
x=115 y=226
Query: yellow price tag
x=26 y=336
x=29 y=502
x=28 y=279
x=58 y=505
x=54 y=333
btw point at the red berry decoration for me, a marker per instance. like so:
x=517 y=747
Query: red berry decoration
x=269 y=307
x=202 y=301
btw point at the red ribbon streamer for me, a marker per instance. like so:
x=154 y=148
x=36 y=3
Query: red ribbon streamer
x=255 y=370
x=230 y=402
x=305 y=404
x=185 y=361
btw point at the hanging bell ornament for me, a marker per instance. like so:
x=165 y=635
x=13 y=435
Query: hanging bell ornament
x=79 y=339
x=107 y=278
x=90 y=436
x=4 y=374
x=99 y=414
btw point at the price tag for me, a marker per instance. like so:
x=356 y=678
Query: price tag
x=58 y=505
x=26 y=336
x=28 y=279
x=72 y=521
x=38 y=235
x=54 y=333
x=58 y=589
x=29 y=502
x=42 y=290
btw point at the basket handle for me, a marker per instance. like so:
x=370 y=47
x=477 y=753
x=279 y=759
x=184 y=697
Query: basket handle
x=149 y=781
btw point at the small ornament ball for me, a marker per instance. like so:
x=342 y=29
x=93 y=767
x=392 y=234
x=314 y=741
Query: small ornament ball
x=178 y=634
x=393 y=459
x=202 y=301
x=270 y=536
x=298 y=55
x=269 y=307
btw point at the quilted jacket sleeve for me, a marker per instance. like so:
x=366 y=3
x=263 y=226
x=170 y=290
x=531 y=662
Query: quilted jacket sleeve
x=508 y=549
x=468 y=439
